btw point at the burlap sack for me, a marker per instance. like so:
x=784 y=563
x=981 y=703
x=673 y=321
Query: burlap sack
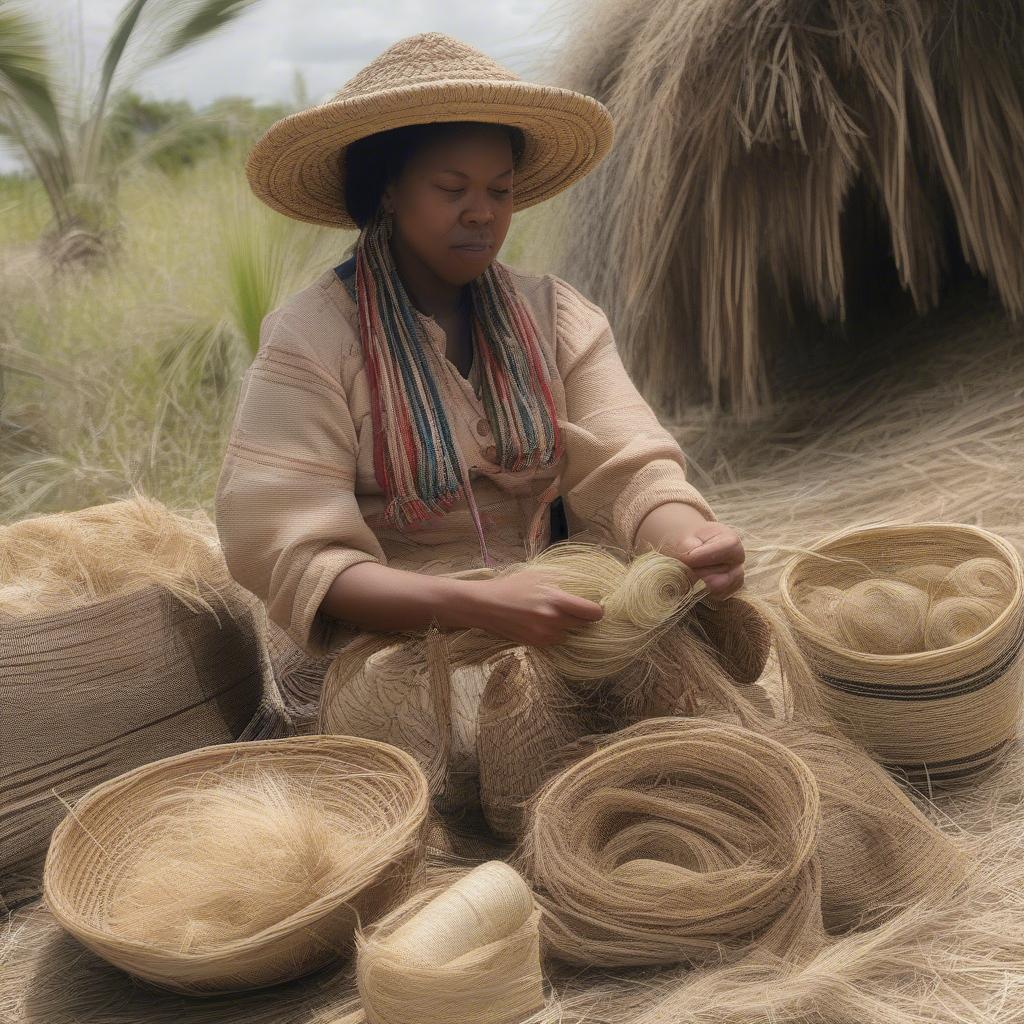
x=92 y=692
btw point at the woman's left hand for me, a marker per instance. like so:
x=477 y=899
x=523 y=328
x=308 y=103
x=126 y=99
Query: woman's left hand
x=715 y=553
x=710 y=549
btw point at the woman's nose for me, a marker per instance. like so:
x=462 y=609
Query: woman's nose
x=480 y=215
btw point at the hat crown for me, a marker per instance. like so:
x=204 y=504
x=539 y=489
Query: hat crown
x=426 y=58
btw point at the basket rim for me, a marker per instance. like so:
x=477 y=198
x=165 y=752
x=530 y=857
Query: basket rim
x=86 y=931
x=1011 y=556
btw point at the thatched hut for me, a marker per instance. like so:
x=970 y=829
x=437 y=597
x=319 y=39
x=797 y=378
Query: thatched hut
x=783 y=164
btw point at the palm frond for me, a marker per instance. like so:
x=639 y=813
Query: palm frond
x=205 y=18
x=26 y=74
x=153 y=30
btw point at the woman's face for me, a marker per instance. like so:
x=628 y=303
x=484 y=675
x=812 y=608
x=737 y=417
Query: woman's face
x=456 y=191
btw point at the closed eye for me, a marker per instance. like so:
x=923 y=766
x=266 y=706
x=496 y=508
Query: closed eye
x=456 y=191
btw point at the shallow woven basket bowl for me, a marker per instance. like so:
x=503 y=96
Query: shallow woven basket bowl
x=937 y=716
x=79 y=879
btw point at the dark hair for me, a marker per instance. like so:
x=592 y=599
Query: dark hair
x=374 y=161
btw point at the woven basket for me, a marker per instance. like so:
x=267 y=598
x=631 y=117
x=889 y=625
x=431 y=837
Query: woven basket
x=80 y=880
x=933 y=717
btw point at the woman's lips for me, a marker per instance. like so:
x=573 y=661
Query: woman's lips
x=474 y=250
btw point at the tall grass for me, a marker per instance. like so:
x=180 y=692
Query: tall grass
x=127 y=375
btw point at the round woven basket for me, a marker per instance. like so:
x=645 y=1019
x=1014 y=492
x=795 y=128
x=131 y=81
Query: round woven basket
x=934 y=717
x=93 y=848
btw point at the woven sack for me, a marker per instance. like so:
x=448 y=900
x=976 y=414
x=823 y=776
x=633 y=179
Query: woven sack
x=933 y=717
x=94 y=691
x=345 y=776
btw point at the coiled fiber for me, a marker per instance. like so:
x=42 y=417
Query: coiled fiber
x=467 y=955
x=678 y=840
x=357 y=813
x=649 y=655
x=934 y=715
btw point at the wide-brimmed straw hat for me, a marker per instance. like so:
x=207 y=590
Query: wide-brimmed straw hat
x=297 y=167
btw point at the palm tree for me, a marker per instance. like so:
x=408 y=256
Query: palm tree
x=65 y=140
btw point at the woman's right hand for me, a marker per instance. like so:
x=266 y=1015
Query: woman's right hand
x=527 y=609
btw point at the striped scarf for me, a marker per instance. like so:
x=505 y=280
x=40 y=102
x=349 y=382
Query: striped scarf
x=418 y=462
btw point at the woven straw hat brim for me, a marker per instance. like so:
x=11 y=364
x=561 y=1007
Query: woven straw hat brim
x=297 y=166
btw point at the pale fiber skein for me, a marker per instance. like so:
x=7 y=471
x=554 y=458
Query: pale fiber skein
x=471 y=955
x=641 y=599
x=679 y=840
x=883 y=616
x=951 y=620
x=229 y=860
x=987 y=578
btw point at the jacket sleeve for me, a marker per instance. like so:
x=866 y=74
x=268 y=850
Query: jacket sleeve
x=621 y=463
x=286 y=511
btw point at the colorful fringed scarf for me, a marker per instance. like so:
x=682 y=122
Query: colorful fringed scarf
x=417 y=460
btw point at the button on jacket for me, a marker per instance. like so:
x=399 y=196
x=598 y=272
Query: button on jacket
x=297 y=501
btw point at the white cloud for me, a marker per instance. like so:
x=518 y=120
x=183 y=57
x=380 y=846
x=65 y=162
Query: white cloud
x=327 y=40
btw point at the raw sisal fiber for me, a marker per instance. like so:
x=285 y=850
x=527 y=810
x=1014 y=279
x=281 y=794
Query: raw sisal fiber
x=469 y=954
x=678 y=840
x=771 y=157
x=640 y=659
x=936 y=715
x=123 y=639
x=110 y=857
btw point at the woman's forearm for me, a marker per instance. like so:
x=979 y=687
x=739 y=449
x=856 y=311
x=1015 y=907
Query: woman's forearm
x=670 y=521
x=378 y=597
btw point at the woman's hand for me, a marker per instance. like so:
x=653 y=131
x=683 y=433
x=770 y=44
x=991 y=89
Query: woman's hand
x=527 y=609
x=712 y=550
x=715 y=553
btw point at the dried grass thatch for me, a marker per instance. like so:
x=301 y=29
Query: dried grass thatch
x=776 y=162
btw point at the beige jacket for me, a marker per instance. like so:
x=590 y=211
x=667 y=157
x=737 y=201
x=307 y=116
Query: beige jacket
x=297 y=501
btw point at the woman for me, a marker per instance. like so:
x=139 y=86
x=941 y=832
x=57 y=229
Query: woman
x=412 y=415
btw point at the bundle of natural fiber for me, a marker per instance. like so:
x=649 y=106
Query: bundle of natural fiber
x=239 y=865
x=769 y=151
x=642 y=597
x=678 y=840
x=467 y=955
x=935 y=715
x=124 y=639
x=401 y=688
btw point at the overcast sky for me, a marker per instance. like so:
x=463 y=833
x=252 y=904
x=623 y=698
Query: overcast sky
x=328 y=40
